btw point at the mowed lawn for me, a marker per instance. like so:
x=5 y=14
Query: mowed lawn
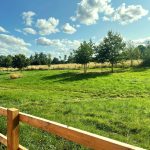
x=112 y=105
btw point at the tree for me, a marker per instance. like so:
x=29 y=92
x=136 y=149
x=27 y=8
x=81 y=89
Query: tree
x=142 y=49
x=2 y=59
x=65 y=58
x=55 y=60
x=146 y=57
x=111 y=48
x=20 y=61
x=43 y=59
x=49 y=60
x=8 y=61
x=70 y=58
x=35 y=59
x=84 y=53
x=133 y=52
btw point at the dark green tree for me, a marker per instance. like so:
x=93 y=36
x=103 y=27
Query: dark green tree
x=55 y=60
x=70 y=58
x=49 y=60
x=20 y=61
x=83 y=55
x=146 y=57
x=111 y=48
x=8 y=61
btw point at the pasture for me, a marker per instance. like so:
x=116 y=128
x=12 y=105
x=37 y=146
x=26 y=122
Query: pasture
x=113 y=105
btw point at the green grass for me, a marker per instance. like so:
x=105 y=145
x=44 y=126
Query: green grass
x=112 y=105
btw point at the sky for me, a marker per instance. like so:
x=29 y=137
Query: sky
x=59 y=26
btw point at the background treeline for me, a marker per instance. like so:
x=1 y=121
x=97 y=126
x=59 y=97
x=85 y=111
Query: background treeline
x=112 y=49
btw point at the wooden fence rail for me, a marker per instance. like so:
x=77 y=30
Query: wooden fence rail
x=72 y=134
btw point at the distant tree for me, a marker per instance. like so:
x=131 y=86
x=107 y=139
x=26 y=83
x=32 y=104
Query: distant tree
x=130 y=51
x=146 y=57
x=65 y=58
x=20 y=61
x=84 y=53
x=35 y=59
x=133 y=52
x=43 y=60
x=142 y=49
x=8 y=61
x=111 y=48
x=49 y=60
x=70 y=58
x=2 y=59
x=55 y=60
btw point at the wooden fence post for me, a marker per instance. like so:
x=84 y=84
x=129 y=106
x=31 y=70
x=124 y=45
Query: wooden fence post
x=12 y=129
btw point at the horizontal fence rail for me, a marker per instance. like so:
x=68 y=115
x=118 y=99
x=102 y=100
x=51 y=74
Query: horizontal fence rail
x=72 y=134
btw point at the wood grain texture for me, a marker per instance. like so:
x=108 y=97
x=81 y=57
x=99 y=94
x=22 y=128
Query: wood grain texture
x=3 y=111
x=12 y=129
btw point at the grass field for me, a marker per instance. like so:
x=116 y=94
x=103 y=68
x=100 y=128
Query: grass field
x=112 y=105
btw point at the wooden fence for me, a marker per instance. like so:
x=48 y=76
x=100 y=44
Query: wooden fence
x=87 y=139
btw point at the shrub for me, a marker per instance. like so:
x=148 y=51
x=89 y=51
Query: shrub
x=16 y=75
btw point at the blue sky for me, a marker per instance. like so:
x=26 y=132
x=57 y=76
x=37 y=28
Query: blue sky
x=58 y=26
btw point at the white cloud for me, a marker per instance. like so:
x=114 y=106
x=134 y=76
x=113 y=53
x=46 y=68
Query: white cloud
x=29 y=31
x=12 y=45
x=3 y=30
x=73 y=18
x=88 y=11
x=77 y=26
x=125 y=15
x=18 y=30
x=143 y=41
x=106 y=18
x=59 y=47
x=148 y=18
x=47 y=27
x=67 y=28
x=28 y=17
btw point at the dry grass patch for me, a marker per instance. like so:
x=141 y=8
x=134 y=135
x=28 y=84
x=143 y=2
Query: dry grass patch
x=15 y=75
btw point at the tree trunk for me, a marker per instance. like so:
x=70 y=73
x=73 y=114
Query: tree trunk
x=112 y=67
x=131 y=62
x=85 y=68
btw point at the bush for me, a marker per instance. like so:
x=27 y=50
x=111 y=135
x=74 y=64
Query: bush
x=16 y=75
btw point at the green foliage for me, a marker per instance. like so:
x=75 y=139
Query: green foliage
x=71 y=58
x=20 y=61
x=132 y=52
x=84 y=53
x=55 y=60
x=40 y=59
x=110 y=49
x=6 y=61
x=146 y=57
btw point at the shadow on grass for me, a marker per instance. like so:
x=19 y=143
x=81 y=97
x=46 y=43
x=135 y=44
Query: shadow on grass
x=3 y=73
x=140 y=69
x=73 y=76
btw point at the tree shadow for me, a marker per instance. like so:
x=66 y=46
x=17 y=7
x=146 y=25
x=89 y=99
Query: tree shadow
x=73 y=76
x=139 y=69
x=4 y=73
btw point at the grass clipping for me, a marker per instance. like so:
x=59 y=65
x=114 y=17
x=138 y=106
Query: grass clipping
x=15 y=75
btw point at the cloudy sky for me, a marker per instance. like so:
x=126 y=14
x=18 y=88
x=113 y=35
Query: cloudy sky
x=58 y=26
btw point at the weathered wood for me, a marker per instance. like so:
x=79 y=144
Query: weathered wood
x=3 y=111
x=12 y=129
x=3 y=140
x=81 y=137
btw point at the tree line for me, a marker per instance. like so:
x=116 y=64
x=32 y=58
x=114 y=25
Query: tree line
x=111 y=49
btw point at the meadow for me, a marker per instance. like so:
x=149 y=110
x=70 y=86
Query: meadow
x=113 y=105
